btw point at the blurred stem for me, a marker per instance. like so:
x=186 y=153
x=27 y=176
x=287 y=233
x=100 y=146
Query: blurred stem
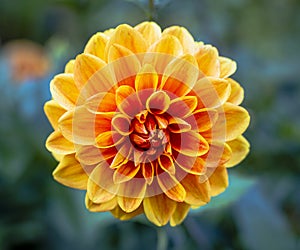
x=151 y=7
x=162 y=239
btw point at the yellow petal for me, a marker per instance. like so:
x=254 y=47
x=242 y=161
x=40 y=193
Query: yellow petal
x=237 y=92
x=180 y=75
x=69 y=68
x=126 y=172
x=167 y=45
x=129 y=38
x=179 y=214
x=122 y=156
x=53 y=112
x=208 y=60
x=237 y=120
x=100 y=207
x=218 y=181
x=227 y=67
x=219 y=153
x=64 y=90
x=96 y=45
x=158 y=102
x=100 y=186
x=211 y=92
x=203 y=119
x=182 y=106
x=189 y=143
x=197 y=193
x=150 y=31
x=240 y=148
x=131 y=194
x=90 y=155
x=101 y=102
x=192 y=165
x=121 y=215
x=108 y=139
x=70 y=173
x=146 y=82
x=185 y=38
x=59 y=144
x=159 y=209
x=86 y=65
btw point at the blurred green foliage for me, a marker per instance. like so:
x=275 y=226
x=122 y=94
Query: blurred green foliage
x=261 y=208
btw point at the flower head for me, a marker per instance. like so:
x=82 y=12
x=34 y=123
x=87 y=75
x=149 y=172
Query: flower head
x=147 y=121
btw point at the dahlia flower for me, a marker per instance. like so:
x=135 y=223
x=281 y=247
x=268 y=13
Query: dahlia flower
x=147 y=121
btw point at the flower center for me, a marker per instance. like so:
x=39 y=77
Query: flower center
x=149 y=133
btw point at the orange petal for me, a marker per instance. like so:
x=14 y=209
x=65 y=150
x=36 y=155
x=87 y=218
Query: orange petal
x=179 y=214
x=101 y=102
x=86 y=65
x=148 y=172
x=203 y=119
x=70 y=173
x=127 y=101
x=100 y=207
x=189 y=143
x=180 y=75
x=159 y=209
x=218 y=181
x=121 y=215
x=108 y=139
x=211 y=92
x=185 y=38
x=237 y=120
x=126 y=172
x=166 y=162
x=237 y=92
x=131 y=194
x=90 y=155
x=240 y=149
x=53 y=112
x=121 y=124
x=192 y=165
x=171 y=186
x=129 y=38
x=59 y=144
x=150 y=31
x=64 y=90
x=168 y=44
x=197 y=193
x=208 y=60
x=177 y=125
x=158 y=102
x=96 y=45
x=146 y=82
x=182 y=106
x=69 y=68
x=100 y=186
x=227 y=67
x=122 y=156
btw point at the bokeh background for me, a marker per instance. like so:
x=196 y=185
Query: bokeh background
x=261 y=208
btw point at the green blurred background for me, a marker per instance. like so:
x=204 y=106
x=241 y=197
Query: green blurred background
x=261 y=208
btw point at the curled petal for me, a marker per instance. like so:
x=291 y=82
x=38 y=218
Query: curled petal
x=125 y=172
x=159 y=209
x=100 y=187
x=197 y=193
x=100 y=207
x=101 y=102
x=166 y=163
x=96 y=45
x=185 y=38
x=70 y=173
x=218 y=181
x=203 y=119
x=179 y=214
x=64 y=90
x=121 y=124
x=240 y=148
x=237 y=92
x=53 y=112
x=158 y=102
x=108 y=139
x=131 y=194
x=177 y=125
x=227 y=67
x=180 y=75
x=59 y=144
x=121 y=156
x=208 y=60
x=90 y=155
x=182 y=106
x=189 y=143
x=148 y=172
x=150 y=31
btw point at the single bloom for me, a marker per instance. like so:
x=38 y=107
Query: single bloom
x=147 y=121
